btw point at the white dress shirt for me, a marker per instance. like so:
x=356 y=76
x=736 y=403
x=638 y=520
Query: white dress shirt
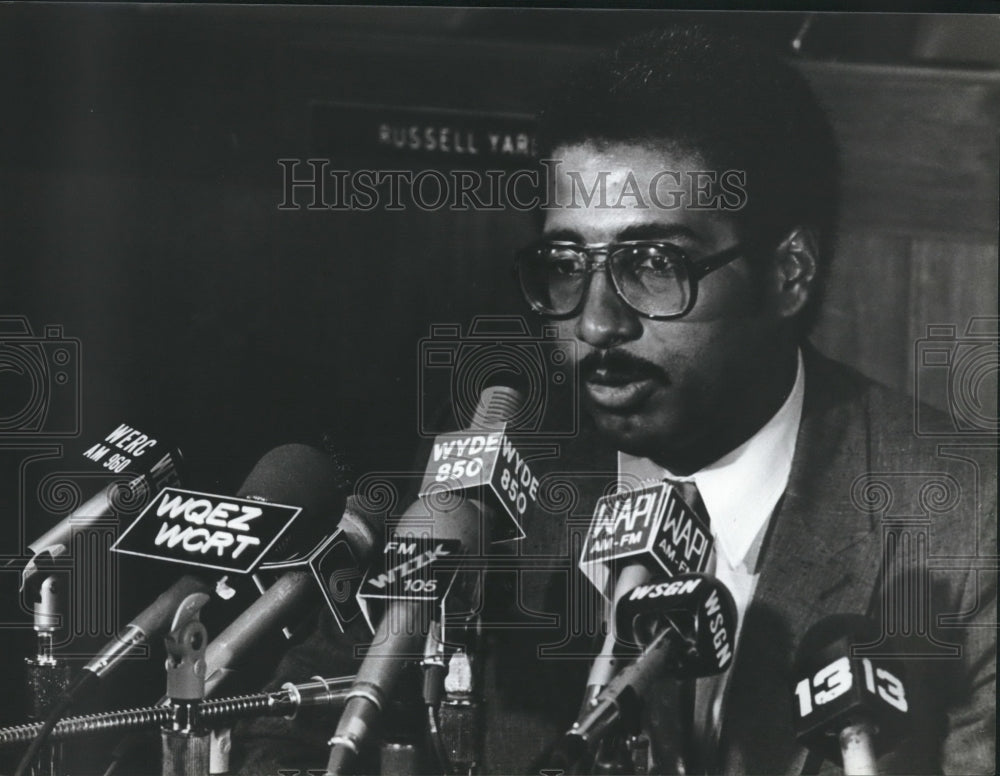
x=740 y=492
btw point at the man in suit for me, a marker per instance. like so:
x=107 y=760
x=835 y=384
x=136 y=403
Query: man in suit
x=690 y=305
x=686 y=240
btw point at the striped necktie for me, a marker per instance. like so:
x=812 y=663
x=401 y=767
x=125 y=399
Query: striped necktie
x=688 y=491
x=693 y=702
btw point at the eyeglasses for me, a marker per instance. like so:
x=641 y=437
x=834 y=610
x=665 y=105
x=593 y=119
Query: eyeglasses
x=656 y=279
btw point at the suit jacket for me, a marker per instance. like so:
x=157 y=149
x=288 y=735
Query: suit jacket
x=868 y=500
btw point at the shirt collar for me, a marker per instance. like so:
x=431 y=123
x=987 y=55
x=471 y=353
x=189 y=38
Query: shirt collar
x=741 y=489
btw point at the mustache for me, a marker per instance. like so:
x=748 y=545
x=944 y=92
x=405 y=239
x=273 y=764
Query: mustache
x=621 y=364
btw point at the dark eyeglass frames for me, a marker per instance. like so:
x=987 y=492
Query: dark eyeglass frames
x=656 y=279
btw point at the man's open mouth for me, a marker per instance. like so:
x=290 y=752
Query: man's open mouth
x=618 y=390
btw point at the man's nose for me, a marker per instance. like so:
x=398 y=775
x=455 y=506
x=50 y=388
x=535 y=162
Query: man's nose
x=606 y=320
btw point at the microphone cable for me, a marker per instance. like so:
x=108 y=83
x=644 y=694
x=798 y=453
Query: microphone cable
x=84 y=681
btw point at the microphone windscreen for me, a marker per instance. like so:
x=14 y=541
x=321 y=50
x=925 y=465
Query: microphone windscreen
x=836 y=685
x=300 y=476
x=697 y=608
x=832 y=631
x=498 y=404
x=367 y=528
x=296 y=474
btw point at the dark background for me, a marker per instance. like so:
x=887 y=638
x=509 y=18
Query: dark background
x=138 y=150
x=139 y=188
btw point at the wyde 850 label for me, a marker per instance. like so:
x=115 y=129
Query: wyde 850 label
x=463 y=460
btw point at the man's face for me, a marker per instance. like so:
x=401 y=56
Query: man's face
x=667 y=388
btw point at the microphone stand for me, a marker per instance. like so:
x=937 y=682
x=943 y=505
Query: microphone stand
x=232 y=644
x=185 y=740
x=857 y=748
x=455 y=720
x=48 y=677
x=278 y=703
x=185 y=721
x=609 y=731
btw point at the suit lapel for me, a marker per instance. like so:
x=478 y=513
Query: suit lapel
x=821 y=557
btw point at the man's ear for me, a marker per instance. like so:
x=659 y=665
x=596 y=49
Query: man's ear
x=796 y=265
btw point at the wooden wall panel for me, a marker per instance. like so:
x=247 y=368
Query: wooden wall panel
x=919 y=146
x=951 y=283
x=863 y=320
x=885 y=290
x=918 y=237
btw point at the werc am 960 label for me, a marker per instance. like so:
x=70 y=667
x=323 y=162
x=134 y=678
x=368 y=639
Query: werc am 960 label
x=206 y=530
x=132 y=443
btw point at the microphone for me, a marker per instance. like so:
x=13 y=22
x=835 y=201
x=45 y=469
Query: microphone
x=162 y=473
x=847 y=708
x=291 y=473
x=687 y=626
x=470 y=474
x=302 y=475
x=351 y=545
x=636 y=533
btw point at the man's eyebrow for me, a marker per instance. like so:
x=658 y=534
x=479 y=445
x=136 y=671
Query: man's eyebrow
x=564 y=235
x=658 y=232
x=651 y=231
